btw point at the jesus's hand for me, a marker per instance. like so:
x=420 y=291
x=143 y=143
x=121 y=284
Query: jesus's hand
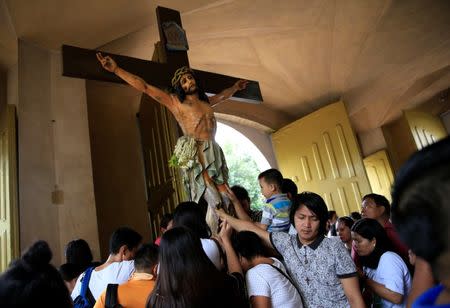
x=240 y=84
x=107 y=62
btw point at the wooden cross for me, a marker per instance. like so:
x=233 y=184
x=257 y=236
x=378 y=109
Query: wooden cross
x=82 y=63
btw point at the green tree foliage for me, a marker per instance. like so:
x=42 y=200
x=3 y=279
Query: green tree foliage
x=243 y=171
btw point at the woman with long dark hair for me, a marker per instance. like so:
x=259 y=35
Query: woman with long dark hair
x=189 y=215
x=385 y=273
x=187 y=278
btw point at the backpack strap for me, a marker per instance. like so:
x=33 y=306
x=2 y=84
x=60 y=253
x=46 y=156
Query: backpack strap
x=111 y=296
x=85 y=292
x=85 y=282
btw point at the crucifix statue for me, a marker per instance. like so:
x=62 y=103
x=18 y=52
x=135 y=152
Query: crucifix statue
x=205 y=173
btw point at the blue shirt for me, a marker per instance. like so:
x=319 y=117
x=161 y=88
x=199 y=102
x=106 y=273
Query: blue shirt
x=275 y=213
x=428 y=299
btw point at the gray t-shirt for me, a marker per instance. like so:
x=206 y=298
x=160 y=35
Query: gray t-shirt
x=316 y=268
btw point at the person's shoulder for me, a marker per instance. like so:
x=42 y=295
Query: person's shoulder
x=120 y=266
x=332 y=240
x=257 y=272
x=389 y=257
x=100 y=303
x=279 y=198
x=392 y=260
x=332 y=245
x=208 y=243
x=282 y=237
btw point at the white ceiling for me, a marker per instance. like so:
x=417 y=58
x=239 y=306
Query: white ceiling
x=379 y=56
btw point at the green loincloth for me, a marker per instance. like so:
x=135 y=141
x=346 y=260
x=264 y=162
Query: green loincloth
x=214 y=160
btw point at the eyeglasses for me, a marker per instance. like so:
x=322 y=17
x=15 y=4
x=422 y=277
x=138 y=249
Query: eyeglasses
x=369 y=206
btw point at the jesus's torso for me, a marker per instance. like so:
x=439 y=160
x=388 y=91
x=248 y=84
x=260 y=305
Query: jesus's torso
x=195 y=117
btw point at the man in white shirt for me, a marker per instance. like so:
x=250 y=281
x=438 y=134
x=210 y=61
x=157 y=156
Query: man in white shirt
x=123 y=245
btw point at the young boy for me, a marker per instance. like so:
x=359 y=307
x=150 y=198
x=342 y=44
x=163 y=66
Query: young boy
x=275 y=215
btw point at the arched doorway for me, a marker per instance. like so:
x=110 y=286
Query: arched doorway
x=245 y=161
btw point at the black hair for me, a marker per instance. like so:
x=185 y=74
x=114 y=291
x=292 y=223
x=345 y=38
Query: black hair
x=70 y=271
x=32 y=281
x=347 y=220
x=124 y=236
x=165 y=220
x=380 y=200
x=181 y=94
x=272 y=176
x=146 y=258
x=331 y=214
x=248 y=245
x=371 y=229
x=190 y=215
x=78 y=252
x=240 y=192
x=355 y=216
x=315 y=204
x=420 y=207
x=288 y=186
x=187 y=278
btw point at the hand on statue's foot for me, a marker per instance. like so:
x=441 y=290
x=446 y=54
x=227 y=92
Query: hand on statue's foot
x=225 y=231
x=221 y=213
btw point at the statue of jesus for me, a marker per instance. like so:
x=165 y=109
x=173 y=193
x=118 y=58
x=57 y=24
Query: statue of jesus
x=205 y=170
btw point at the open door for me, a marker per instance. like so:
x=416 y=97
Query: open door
x=320 y=154
x=158 y=130
x=9 y=213
x=380 y=174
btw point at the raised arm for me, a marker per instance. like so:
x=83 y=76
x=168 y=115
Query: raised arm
x=136 y=82
x=232 y=259
x=240 y=212
x=242 y=225
x=227 y=93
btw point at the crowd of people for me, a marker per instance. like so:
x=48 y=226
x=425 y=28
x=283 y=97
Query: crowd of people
x=294 y=252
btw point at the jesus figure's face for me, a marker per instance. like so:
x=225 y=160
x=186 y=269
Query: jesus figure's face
x=188 y=84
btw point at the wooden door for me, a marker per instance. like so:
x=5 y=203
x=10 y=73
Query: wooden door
x=380 y=173
x=9 y=220
x=320 y=153
x=164 y=188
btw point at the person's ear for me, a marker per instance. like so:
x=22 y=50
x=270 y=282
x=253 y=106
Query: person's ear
x=122 y=251
x=155 y=270
x=373 y=242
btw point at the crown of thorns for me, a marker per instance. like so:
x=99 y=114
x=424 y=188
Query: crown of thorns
x=180 y=72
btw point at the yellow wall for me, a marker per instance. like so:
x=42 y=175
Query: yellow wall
x=320 y=153
x=54 y=150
